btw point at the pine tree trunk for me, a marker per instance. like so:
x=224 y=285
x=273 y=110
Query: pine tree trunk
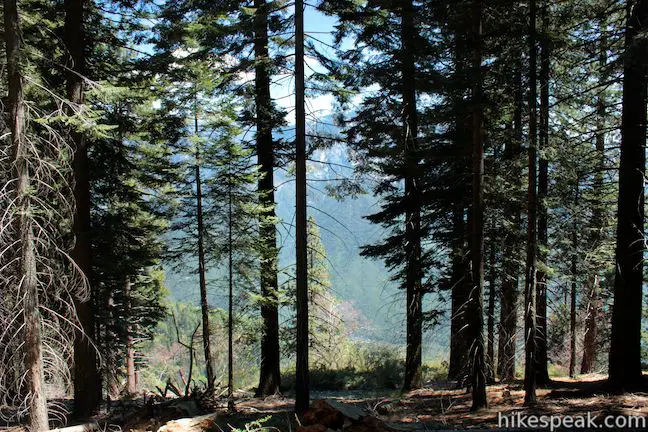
x=302 y=391
x=588 y=363
x=475 y=310
x=131 y=384
x=490 y=349
x=532 y=235
x=413 y=357
x=204 y=305
x=269 y=377
x=625 y=348
x=33 y=357
x=510 y=287
x=460 y=282
x=572 y=303
x=109 y=363
x=230 y=311
x=543 y=181
x=459 y=296
x=87 y=380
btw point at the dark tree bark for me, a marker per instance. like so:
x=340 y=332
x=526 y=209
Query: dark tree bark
x=230 y=309
x=572 y=296
x=492 y=283
x=588 y=363
x=302 y=391
x=269 y=377
x=532 y=235
x=625 y=348
x=413 y=357
x=204 y=305
x=131 y=382
x=475 y=310
x=87 y=380
x=510 y=284
x=459 y=296
x=32 y=346
x=110 y=357
x=460 y=280
x=543 y=181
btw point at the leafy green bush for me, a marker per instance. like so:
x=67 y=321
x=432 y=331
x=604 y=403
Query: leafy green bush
x=435 y=370
x=369 y=367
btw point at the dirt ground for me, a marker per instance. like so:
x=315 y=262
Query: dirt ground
x=441 y=408
x=437 y=407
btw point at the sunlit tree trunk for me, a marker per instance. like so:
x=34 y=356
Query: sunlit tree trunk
x=32 y=343
x=202 y=272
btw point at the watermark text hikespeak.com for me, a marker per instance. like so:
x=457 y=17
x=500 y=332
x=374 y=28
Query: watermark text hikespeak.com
x=553 y=422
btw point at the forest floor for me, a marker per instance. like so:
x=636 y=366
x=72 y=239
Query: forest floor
x=440 y=407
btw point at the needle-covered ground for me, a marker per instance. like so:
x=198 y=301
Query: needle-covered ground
x=441 y=407
x=438 y=406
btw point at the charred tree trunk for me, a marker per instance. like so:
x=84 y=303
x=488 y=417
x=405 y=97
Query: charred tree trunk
x=542 y=371
x=625 y=348
x=532 y=235
x=269 y=377
x=302 y=391
x=413 y=359
x=510 y=284
x=476 y=300
x=204 y=305
x=87 y=381
x=32 y=346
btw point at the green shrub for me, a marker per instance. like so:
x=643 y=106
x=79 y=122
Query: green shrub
x=369 y=367
x=435 y=370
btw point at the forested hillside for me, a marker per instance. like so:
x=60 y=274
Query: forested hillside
x=361 y=282
x=347 y=215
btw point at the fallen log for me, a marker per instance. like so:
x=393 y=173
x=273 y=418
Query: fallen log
x=331 y=416
x=193 y=424
x=88 y=427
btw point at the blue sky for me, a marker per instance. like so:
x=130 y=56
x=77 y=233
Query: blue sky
x=319 y=26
